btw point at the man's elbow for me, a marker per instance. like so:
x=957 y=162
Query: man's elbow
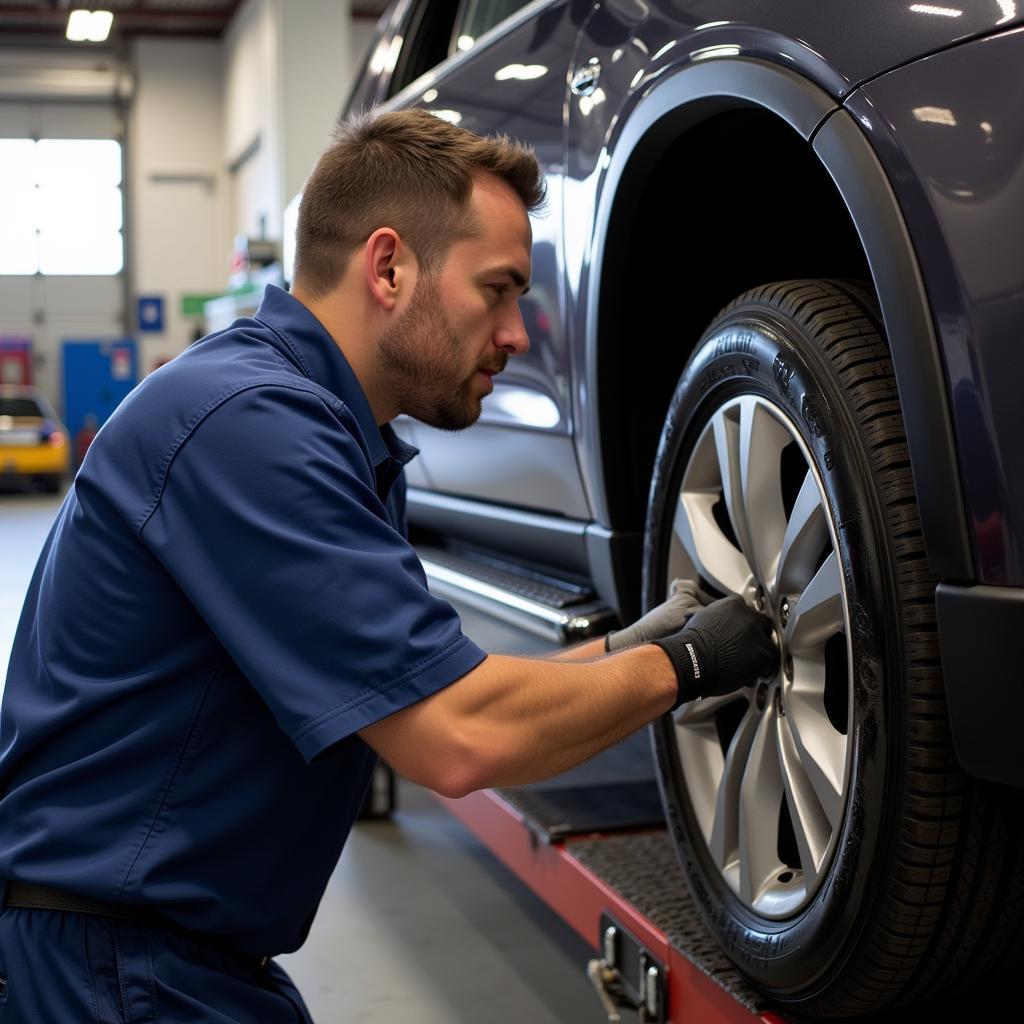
x=463 y=768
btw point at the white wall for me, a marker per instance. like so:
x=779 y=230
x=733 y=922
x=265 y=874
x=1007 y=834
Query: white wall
x=289 y=65
x=179 y=190
x=315 y=60
x=252 y=119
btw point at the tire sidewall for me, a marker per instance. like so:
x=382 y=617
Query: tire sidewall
x=753 y=350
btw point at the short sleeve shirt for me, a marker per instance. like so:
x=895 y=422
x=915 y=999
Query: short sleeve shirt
x=227 y=596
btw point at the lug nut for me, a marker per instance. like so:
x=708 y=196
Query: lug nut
x=759 y=599
x=784 y=611
x=787 y=667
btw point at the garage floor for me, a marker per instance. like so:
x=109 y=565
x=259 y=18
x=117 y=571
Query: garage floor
x=419 y=925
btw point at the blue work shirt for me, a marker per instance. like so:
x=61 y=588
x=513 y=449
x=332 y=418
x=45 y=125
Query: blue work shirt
x=225 y=598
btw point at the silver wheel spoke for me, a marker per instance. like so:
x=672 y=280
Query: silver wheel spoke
x=724 y=842
x=762 y=438
x=819 y=611
x=810 y=823
x=806 y=535
x=727 y=448
x=697 y=711
x=760 y=799
x=820 y=747
x=711 y=554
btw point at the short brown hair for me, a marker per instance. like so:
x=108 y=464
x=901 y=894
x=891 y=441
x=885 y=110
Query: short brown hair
x=408 y=170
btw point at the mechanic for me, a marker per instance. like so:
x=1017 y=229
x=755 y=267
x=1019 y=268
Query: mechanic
x=227 y=625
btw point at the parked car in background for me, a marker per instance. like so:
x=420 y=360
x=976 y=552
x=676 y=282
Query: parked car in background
x=34 y=444
x=775 y=318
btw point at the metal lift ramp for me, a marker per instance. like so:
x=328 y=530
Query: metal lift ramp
x=624 y=892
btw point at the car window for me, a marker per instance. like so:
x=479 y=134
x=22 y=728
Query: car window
x=19 y=407
x=427 y=39
x=478 y=16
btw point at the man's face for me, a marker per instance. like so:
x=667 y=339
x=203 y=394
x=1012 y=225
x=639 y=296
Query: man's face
x=462 y=324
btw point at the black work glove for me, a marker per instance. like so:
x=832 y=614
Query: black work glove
x=722 y=648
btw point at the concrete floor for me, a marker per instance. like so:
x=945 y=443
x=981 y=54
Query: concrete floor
x=419 y=924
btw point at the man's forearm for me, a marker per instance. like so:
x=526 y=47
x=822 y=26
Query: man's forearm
x=585 y=650
x=517 y=720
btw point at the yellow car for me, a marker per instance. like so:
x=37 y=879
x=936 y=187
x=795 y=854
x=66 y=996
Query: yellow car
x=34 y=444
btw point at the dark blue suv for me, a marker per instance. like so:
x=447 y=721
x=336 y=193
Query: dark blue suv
x=776 y=345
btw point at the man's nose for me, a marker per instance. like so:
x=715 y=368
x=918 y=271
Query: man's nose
x=511 y=336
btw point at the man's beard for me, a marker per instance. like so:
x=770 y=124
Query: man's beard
x=422 y=357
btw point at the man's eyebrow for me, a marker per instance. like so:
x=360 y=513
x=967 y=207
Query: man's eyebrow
x=517 y=278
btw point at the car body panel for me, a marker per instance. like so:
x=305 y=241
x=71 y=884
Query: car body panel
x=520 y=453
x=956 y=157
x=30 y=445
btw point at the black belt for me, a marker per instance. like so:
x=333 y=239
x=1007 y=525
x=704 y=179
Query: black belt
x=42 y=897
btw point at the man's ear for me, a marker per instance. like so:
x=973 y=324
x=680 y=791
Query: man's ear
x=388 y=265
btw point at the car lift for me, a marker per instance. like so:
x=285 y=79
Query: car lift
x=656 y=956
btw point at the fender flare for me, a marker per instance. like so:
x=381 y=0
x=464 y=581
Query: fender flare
x=676 y=102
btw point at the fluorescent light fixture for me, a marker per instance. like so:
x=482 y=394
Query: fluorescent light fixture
x=464 y=43
x=89 y=26
x=945 y=12
x=451 y=116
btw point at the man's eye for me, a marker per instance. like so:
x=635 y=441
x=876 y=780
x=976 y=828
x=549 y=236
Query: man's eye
x=499 y=289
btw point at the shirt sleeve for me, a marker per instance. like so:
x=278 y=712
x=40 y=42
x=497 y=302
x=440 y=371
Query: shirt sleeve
x=270 y=523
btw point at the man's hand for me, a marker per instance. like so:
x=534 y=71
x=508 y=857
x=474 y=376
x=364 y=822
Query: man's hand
x=663 y=620
x=722 y=648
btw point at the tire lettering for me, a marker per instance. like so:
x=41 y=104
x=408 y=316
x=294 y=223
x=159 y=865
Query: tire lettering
x=783 y=373
x=741 y=342
x=812 y=417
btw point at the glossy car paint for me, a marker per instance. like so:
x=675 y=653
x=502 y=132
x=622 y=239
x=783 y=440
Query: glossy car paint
x=822 y=60
x=514 y=84
x=948 y=130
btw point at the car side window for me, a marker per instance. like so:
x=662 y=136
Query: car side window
x=427 y=40
x=479 y=16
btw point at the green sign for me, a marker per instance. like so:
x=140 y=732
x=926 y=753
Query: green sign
x=192 y=305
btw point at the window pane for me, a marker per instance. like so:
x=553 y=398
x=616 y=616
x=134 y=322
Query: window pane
x=19 y=209
x=80 y=163
x=64 y=253
x=17 y=164
x=19 y=251
x=482 y=15
x=79 y=210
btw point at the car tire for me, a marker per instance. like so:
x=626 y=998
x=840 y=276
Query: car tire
x=833 y=845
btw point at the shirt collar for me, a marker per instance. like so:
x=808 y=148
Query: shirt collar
x=314 y=352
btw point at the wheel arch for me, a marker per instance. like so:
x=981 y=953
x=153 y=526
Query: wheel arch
x=814 y=172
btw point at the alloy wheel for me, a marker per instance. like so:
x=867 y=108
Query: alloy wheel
x=766 y=768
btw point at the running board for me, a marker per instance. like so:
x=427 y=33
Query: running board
x=558 y=611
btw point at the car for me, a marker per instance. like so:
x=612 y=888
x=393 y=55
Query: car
x=775 y=310
x=34 y=444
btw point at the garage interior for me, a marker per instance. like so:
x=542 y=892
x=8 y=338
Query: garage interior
x=148 y=194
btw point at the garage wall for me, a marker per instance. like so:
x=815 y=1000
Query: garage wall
x=180 y=196
x=53 y=94
x=287 y=71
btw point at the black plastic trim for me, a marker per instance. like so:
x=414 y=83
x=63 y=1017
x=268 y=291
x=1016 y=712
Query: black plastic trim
x=920 y=374
x=980 y=633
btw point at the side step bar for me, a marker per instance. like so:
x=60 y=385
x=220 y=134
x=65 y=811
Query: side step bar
x=565 y=613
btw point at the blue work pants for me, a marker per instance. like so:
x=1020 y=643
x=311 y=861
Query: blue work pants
x=69 y=968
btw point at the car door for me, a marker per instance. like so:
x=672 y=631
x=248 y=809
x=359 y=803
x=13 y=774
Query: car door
x=504 y=70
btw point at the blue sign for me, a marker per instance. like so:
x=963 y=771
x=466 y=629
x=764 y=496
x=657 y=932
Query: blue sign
x=151 y=312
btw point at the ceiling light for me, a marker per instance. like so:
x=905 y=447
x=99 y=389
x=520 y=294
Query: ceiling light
x=89 y=26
